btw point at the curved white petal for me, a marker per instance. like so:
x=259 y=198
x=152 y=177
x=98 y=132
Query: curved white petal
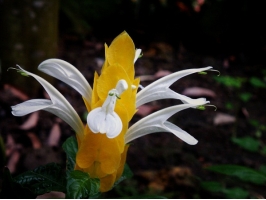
x=101 y=122
x=156 y=122
x=30 y=106
x=58 y=105
x=160 y=89
x=67 y=73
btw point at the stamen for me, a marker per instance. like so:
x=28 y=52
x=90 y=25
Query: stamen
x=141 y=87
x=202 y=107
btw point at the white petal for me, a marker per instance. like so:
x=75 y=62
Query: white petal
x=101 y=122
x=137 y=54
x=67 y=73
x=156 y=122
x=160 y=89
x=58 y=105
x=30 y=106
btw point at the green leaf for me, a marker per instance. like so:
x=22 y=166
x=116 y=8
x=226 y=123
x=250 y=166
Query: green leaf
x=212 y=186
x=247 y=143
x=127 y=173
x=70 y=146
x=256 y=82
x=245 y=96
x=43 y=179
x=12 y=190
x=231 y=193
x=241 y=172
x=80 y=185
x=229 y=106
x=262 y=169
x=229 y=81
x=236 y=193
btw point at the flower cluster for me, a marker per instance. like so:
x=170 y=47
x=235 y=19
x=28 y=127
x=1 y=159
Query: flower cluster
x=111 y=104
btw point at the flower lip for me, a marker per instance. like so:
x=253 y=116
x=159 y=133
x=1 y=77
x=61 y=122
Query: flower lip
x=104 y=119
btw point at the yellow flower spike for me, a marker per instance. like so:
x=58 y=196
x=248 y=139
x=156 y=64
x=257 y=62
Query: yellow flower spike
x=111 y=104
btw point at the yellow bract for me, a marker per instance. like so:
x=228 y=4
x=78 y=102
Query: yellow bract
x=98 y=155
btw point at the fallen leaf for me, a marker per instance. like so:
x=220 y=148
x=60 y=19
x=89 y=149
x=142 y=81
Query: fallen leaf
x=199 y=92
x=162 y=73
x=222 y=118
x=16 y=92
x=36 y=143
x=31 y=121
x=52 y=195
x=13 y=160
x=147 y=78
x=144 y=110
x=54 y=135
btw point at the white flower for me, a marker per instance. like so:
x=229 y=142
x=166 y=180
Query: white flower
x=104 y=119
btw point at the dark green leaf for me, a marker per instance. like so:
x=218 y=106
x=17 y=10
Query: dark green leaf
x=256 y=82
x=12 y=190
x=43 y=179
x=212 y=186
x=236 y=193
x=245 y=96
x=70 y=146
x=127 y=173
x=80 y=185
x=243 y=173
x=247 y=143
x=262 y=169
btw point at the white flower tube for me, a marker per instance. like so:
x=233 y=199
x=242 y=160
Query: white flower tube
x=58 y=105
x=156 y=122
x=160 y=89
x=67 y=73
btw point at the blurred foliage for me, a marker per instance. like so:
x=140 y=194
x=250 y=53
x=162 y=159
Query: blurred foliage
x=245 y=178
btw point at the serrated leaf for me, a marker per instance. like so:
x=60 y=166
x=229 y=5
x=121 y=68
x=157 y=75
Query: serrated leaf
x=43 y=179
x=70 y=146
x=236 y=193
x=80 y=185
x=241 y=172
x=12 y=190
x=247 y=143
